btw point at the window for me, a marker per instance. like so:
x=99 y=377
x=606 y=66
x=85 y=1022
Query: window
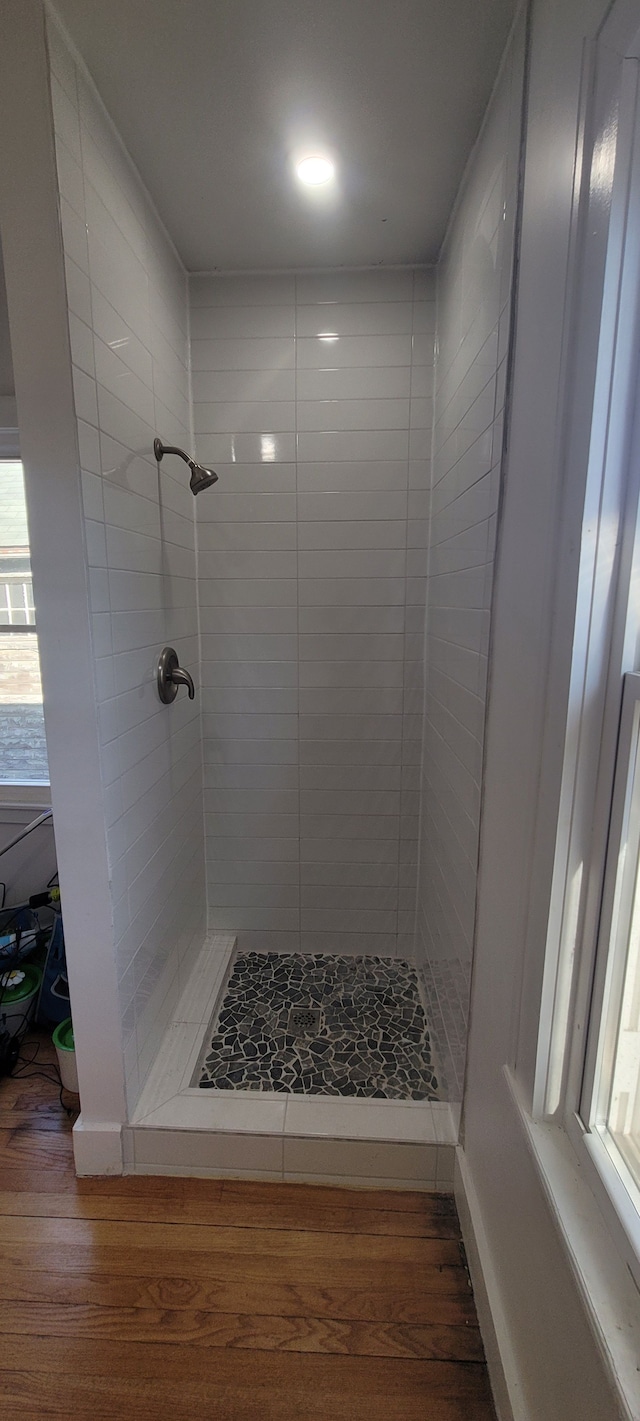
x=611 y=1091
x=23 y=751
x=588 y=1076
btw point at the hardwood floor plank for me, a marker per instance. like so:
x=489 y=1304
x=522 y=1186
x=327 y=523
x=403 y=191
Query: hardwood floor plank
x=253 y=1191
x=119 y=1401
x=221 y=1212
x=29 y=1116
x=262 y=1332
x=209 y=1266
x=114 y=1235
x=48 y=1118
x=39 y=1148
x=35 y=1096
x=242 y=1294
x=437 y=1209
x=222 y=1300
x=60 y=1176
x=151 y=1381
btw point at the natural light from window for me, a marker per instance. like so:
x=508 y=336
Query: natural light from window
x=623 y=1113
x=23 y=751
x=615 y=1107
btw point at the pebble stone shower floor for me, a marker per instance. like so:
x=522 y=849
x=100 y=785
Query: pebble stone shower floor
x=321 y=1025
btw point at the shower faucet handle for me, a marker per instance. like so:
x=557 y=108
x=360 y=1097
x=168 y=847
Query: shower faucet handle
x=180 y=677
x=170 y=675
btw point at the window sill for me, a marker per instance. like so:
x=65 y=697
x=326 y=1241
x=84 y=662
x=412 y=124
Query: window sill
x=615 y=1191
x=25 y=796
x=607 y=1290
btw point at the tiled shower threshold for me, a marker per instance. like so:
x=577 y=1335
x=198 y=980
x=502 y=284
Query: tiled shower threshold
x=178 y=1128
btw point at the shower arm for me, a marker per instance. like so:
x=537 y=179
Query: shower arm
x=200 y=477
x=159 y=449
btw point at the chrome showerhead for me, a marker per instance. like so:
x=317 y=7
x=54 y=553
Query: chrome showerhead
x=200 y=477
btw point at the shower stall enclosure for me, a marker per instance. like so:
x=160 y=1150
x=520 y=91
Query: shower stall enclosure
x=264 y=706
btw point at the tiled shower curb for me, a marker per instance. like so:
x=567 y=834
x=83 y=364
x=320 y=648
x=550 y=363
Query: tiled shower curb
x=179 y=1129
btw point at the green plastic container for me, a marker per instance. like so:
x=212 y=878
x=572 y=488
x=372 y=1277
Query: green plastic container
x=17 y=1003
x=66 y=1053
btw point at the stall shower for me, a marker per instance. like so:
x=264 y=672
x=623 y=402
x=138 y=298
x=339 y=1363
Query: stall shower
x=292 y=853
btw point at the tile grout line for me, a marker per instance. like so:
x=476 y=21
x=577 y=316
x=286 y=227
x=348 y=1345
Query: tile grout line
x=295 y=419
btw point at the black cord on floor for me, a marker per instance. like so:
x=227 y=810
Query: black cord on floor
x=21 y=1072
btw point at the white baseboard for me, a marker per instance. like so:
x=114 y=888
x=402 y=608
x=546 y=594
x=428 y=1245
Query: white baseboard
x=97 y=1149
x=507 y=1392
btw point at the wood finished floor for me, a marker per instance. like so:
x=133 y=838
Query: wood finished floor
x=153 y=1298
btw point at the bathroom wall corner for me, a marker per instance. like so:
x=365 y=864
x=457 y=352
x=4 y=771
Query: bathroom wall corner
x=34 y=269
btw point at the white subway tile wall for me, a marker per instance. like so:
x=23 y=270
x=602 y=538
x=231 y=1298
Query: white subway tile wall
x=317 y=551
x=474 y=309
x=313 y=400
x=128 y=321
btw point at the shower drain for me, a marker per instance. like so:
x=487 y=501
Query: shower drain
x=304 y=1021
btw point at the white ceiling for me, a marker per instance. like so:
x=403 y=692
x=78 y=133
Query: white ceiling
x=212 y=98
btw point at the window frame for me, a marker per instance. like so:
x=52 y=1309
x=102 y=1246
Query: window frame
x=605 y=396
x=613 y=1178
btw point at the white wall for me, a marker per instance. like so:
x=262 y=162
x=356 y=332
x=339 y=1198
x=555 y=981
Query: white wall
x=474 y=306
x=311 y=580
x=34 y=270
x=128 y=326
x=555 y=1365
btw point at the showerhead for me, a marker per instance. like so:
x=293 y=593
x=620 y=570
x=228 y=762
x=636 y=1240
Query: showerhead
x=200 y=477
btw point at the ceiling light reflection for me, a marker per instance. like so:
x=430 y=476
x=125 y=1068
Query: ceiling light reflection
x=315 y=170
